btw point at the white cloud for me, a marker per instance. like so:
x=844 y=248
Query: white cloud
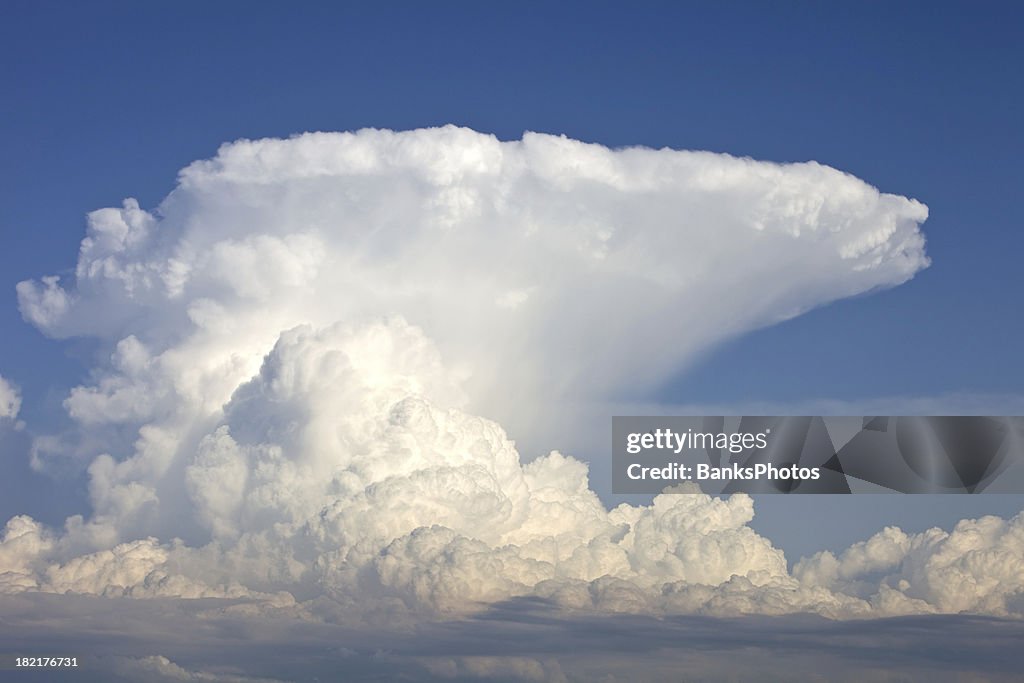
x=10 y=399
x=545 y=269
x=330 y=472
x=24 y=549
x=160 y=669
x=978 y=567
x=302 y=339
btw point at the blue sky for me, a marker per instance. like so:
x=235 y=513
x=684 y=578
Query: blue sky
x=108 y=100
x=923 y=99
x=288 y=511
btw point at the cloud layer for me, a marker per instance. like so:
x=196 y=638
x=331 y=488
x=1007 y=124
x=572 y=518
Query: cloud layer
x=519 y=640
x=303 y=337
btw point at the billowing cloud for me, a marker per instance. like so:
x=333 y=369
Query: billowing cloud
x=331 y=472
x=977 y=567
x=304 y=337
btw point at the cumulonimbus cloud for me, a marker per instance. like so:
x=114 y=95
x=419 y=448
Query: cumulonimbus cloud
x=302 y=338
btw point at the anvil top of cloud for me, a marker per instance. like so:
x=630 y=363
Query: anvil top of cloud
x=300 y=339
x=540 y=265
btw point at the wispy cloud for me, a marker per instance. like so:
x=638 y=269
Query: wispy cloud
x=10 y=399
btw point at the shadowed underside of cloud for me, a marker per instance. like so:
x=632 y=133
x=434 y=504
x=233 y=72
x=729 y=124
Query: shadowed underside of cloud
x=520 y=640
x=303 y=335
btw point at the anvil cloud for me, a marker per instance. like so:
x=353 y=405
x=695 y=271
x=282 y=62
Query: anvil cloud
x=303 y=339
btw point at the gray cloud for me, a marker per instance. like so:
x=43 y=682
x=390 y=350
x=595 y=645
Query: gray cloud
x=516 y=640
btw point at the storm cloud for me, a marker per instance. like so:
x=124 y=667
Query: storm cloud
x=312 y=344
